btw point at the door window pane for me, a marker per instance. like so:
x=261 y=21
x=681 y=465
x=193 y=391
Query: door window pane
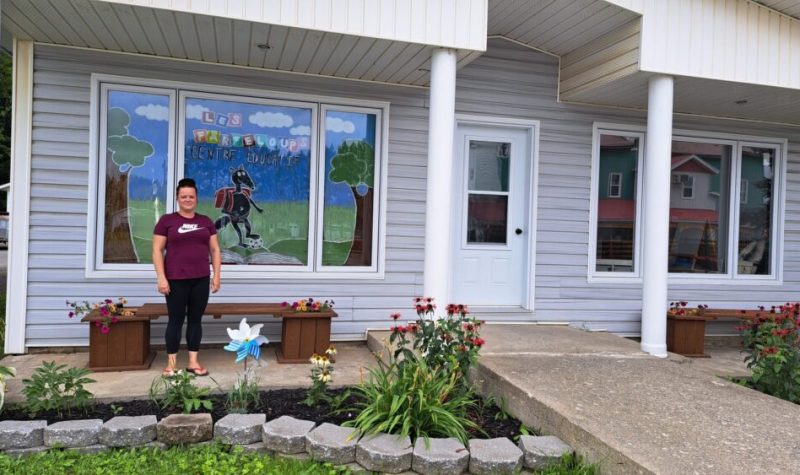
x=252 y=162
x=349 y=204
x=136 y=155
x=699 y=200
x=755 y=210
x=616 y=223
x=487 y=216
x=488 y=165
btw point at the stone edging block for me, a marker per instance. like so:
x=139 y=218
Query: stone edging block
x=21 y=434
x=542 y=450
x=71 y=434
x=494 y=456
x=440 y=456
x=286 y=434
x=126 y=431
x=332 y=443
x=385 y=453
x=239 y=429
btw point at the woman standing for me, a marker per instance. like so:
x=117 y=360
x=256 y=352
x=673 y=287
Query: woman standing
x=183 y=275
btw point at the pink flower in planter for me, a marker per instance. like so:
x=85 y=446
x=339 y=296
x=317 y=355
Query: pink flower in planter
x=104 y=330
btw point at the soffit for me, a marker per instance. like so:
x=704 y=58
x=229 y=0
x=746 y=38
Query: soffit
x=787 y=7
x=172 y=34
x=555 y=26
x=705 y=97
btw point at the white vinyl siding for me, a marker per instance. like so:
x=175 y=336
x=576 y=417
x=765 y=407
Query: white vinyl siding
x=512 y=81
x=60 y=201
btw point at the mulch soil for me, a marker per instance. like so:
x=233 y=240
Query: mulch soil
x=276 y=403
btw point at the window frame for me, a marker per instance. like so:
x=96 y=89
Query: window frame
x=179 y=91
x=738 y=141
x=601 y=276
x=378 y=180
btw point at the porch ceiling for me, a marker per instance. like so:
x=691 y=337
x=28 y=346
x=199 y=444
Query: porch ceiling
x=139 y=29
x=787 y=7
x=555 y=26
x=704 y=97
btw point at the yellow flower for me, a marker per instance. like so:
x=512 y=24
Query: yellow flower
x=324 y=362
x=315 y=359
x=325 y=376
x=331 y=350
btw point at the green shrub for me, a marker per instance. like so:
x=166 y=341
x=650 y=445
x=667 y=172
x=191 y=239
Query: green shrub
x=451 y=343
x=243 y=396
x=415 y=400
x=57 y=388
x=207 y=460
x=772 y=344
x=180 y=392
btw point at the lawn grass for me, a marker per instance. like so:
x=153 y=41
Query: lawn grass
x=208 y=459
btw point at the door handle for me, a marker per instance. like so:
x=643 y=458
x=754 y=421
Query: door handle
x=518 y=231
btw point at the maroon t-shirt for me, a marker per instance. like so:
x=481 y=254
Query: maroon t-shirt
x=187 y=245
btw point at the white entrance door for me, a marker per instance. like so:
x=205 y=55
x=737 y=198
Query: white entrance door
x=491 y=215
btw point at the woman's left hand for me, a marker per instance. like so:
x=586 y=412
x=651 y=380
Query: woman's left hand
x=214 y=284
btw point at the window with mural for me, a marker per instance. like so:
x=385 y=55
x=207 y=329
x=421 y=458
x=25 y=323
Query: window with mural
x=252 y=164
x=349 y=211
x=723 y=212
x=137 y=145
x=291 y=185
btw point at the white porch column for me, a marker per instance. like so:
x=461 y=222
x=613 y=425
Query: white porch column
x=438 y=222
x=655 y=238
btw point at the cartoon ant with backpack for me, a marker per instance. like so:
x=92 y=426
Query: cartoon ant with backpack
x=234 y=203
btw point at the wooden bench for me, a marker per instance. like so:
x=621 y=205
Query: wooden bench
x=127 y=346
x=686 y=333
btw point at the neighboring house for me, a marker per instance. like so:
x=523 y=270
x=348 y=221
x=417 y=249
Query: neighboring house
x=497 y=153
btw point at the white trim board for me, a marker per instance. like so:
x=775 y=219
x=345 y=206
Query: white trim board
x=21 y=136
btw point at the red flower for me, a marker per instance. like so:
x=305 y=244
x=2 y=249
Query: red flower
x=114 y=319
x=395 y=316
x=71 y=314
x=478 y=342
x=284 y=304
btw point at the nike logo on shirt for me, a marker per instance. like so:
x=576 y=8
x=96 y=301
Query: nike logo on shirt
x=187 y=228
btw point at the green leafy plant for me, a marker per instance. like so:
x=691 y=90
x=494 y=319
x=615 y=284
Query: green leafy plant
x=451 y=343
x=415 y=400
x=57 y=388
x=244 y=395
x=180 y=392
x=772 y=347
x=5 y=372
x=116 y=410
x=321 y=375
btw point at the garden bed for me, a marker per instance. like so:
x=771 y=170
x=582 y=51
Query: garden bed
x=275 y=403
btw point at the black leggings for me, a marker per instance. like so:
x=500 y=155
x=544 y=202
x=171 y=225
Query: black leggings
x=187 y=299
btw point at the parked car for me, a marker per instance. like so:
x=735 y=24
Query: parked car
x=4 y=230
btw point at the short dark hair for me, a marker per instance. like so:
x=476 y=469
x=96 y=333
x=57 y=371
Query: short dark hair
x=186 y=183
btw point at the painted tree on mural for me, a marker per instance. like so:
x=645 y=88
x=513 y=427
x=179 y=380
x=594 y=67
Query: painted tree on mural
x=124 y=152
x=353 y=164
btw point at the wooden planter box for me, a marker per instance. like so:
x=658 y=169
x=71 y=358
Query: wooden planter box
x=303 y=334
x=686 y=335
x=125 y=347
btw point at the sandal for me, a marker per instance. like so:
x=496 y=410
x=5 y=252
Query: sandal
x=168 y=372
x=199 y=371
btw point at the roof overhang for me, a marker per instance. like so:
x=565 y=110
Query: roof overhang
x=227 y=39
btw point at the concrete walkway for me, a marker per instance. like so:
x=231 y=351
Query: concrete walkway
x=634 y=413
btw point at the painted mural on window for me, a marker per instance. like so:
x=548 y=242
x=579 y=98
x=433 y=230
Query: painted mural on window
x=349 y=202
x=137 y=152
x=252 y=166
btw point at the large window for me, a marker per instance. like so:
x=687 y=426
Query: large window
x=723 y=214
x=292 y=185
